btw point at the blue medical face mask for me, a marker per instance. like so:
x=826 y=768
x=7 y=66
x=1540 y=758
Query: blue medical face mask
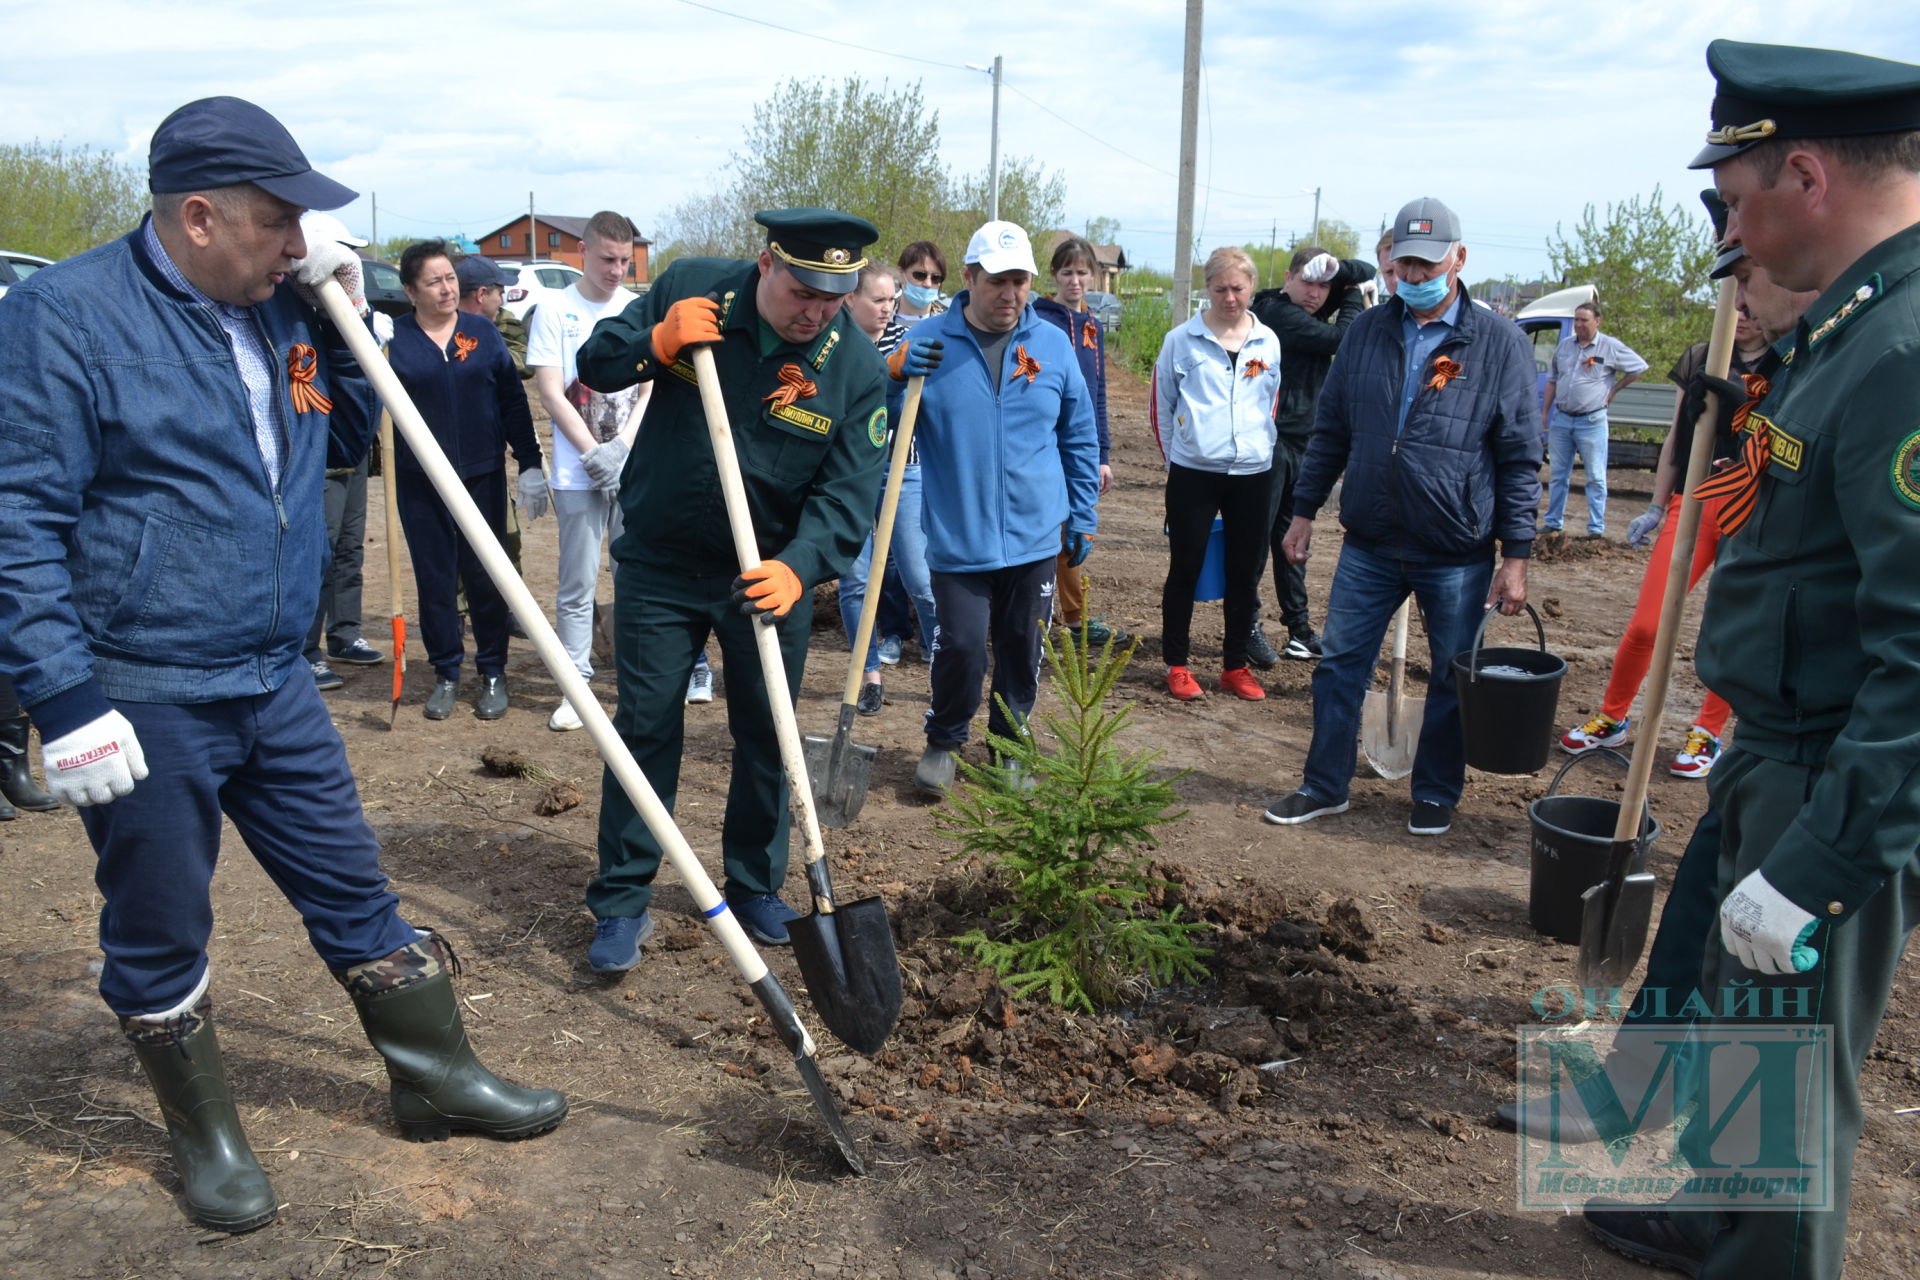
x=921 y=295
x=1424 y=296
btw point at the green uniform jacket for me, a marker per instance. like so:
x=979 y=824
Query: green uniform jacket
x=812 y=468
x=1812 y=626
x=514 y=332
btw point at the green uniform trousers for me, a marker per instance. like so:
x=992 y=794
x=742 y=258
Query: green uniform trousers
x=661 y=621
x=1756 y=799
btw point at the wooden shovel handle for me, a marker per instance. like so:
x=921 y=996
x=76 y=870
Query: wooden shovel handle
x=883 y=538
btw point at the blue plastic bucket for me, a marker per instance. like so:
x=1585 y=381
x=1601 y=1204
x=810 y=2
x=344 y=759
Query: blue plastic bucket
x=1212 y=583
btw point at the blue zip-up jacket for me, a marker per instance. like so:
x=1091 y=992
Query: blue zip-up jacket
x=144 y=554
x=1002 y=466
x=1090 y=349
x=1465 y=470
x=469 y=393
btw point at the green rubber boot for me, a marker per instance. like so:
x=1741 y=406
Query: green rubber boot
x=406 y=1006
x=224 y=1185
x=16 y=778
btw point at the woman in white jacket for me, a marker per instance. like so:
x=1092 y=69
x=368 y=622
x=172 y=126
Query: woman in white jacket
x=1214 y=391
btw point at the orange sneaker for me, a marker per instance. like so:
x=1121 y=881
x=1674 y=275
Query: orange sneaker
x=1240 y=683
x=1182 y=685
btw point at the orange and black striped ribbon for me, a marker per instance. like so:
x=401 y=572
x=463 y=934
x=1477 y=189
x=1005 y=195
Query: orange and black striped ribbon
x=464 y=345
x=1255 y=368
x=1740 y=483
x=301 y=360
x=1444 y=371
x=793 y=386
x=1024 y=364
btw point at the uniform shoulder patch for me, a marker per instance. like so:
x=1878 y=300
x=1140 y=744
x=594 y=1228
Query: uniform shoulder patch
x=877 y=428
x=1905 y=472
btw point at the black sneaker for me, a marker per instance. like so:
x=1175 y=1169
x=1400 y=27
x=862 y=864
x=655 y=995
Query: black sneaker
x=871 y=698
x=1259 y=652
x=325 y=678
x=359 y=653
x=1303 y=645
x=1291 y=811
x=1645 y=1235
x=1429 y=819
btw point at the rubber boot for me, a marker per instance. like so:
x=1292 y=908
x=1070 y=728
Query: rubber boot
x=16 y=780
x=225 y=1187
x=406 y=1006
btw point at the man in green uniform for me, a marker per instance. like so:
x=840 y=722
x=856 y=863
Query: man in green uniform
x=805 y=393
x=1812 y=624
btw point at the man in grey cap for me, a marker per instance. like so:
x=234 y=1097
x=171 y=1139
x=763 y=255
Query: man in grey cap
x=1430 y=412
x=165 y=412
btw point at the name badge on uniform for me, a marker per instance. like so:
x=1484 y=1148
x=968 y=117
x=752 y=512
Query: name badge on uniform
x=1783 y=449
x=805 y=419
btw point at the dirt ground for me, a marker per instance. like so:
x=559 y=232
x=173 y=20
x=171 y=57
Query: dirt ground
x=1319 y=1109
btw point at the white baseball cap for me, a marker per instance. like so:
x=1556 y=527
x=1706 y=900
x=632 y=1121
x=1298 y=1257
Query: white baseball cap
x=316 y=225
x=1001 y=246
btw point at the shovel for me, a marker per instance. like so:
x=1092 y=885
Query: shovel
x=389 y=481
x=1389 y=722
x=841 y=768
x=846 y=953
x=620 y=761
x=1615 y=913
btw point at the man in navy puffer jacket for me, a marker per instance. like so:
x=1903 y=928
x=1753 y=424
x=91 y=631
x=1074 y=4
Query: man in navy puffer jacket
x=1430 y=410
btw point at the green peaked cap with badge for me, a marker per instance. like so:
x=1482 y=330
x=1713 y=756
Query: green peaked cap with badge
x=823 y=249
x=1782 y=91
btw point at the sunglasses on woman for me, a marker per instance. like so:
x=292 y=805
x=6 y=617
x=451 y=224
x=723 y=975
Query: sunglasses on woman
x=927 y=277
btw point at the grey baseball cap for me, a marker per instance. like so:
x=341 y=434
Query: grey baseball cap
x=1425 y=229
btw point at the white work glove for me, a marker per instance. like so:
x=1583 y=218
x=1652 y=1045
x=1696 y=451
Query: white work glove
x=95 y=763
x=325 y=259
x=604 y=462
x=382 y=328
x=1320 y=268
x=1766 y=931
x=532 y=493
x=1642 y=528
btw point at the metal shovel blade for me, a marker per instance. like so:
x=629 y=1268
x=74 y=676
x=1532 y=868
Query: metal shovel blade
x=852 y=972
x=1615 y=915
x=1390 y=740
x=840 y=770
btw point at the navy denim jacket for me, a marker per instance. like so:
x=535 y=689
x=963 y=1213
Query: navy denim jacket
x=144 y=554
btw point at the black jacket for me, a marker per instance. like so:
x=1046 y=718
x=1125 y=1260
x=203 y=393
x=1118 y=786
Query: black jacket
x=1307 y=344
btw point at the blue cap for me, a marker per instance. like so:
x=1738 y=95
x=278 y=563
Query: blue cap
x=223 y=142
x=477 y=271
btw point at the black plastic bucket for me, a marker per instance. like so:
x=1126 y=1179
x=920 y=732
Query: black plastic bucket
x=1508 y=714
x=1571 y=838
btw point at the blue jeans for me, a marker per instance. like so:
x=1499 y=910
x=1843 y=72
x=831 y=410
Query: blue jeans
x=909 y=553
x=1367 y=588
x=1585 y=434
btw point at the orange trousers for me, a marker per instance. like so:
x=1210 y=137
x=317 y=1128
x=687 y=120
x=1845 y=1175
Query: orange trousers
x=1635 y=654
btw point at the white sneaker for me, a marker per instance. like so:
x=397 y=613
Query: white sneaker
x=564 y=718
x=700 y=686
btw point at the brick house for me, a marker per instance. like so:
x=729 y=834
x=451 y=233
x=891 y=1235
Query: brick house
x=556 y=238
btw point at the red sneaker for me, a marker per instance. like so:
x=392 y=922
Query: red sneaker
x=1240 y=683
x=1182 y=685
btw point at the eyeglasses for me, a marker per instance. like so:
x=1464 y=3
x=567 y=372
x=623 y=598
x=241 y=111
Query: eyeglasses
x=927 y=277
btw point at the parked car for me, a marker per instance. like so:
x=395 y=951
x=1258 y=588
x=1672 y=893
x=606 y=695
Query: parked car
x=1105 y=308
x=528 y=283
x=382 y=283
x=1642 y=412
x=15 y=267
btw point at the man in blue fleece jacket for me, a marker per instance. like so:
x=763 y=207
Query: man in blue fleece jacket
x=1009 y=455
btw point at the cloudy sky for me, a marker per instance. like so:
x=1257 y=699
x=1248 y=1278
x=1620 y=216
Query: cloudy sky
x=1516 y=114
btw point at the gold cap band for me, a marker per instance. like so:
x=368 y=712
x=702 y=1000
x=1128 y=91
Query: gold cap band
x=838 y=262
x=1735 y=134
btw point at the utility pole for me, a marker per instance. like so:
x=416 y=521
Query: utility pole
x=531 y=252
x=374 y=236
x=1273 y=242
x=993 y=161
x=1181 y=303
x=1316 y=216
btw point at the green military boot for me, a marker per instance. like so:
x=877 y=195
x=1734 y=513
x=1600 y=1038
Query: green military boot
x=16 y=780
x=224 y=1185
x=406 y=1006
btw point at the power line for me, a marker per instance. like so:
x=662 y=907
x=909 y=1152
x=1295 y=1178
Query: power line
x=813 y=35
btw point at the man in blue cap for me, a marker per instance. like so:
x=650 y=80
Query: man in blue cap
x=166 y=409
x=1812 y=628
x=804 y=391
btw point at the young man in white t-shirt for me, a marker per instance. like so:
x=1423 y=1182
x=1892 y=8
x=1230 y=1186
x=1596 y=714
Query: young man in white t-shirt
x=592 y=433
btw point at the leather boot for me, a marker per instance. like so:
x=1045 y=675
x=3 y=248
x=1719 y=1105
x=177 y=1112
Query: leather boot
x=225 y=1187
x=16 y=780
x=406 y=1006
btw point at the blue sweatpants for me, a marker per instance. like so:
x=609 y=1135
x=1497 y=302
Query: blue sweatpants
x=275 y=765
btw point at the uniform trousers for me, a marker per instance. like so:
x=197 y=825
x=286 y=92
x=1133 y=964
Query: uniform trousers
x=275 y=766
x=661 y=621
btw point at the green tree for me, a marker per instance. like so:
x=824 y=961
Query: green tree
x=1031 y=196
x=56 y=201
x=1103 y=230
x=714 y=225
x=1649 y=261
x=390 y=249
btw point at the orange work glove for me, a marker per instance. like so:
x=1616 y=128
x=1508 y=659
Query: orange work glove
x=688 y=322
x=768 y=587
